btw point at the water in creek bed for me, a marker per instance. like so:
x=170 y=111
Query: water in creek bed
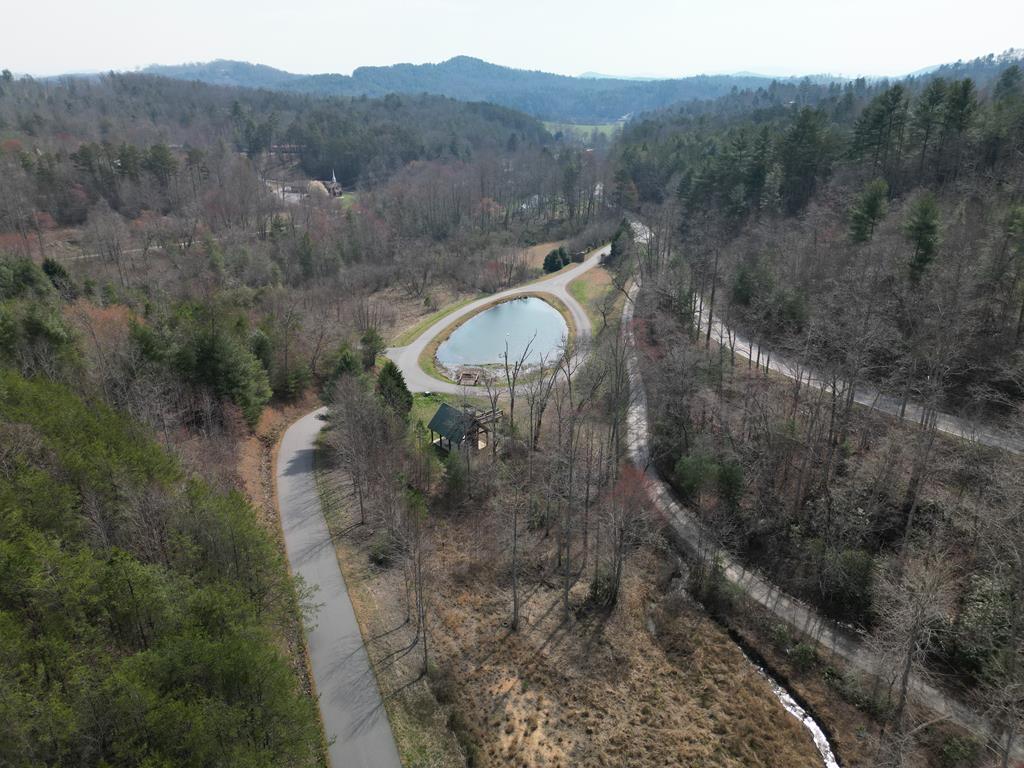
x=790 y=704
x=481 y=339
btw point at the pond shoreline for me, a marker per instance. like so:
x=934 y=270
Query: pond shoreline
x=428 y=358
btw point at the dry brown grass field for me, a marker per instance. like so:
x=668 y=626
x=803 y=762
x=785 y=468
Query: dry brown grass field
x=653 y=683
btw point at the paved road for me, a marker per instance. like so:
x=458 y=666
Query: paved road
x=407 y=358
x=353 y=714
x=688 y=533
x=867 y=396
x=689 y=537
x=863 y=395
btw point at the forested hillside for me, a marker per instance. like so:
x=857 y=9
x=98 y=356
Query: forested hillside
x=149 y=194
x=872 y=237
x=155 y=289
x=547 y=96
x=360 y=139
x=906 y=192
x=585 y=100
x=137 y=606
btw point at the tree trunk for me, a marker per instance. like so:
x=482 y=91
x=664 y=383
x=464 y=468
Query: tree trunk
x=1020 y=326
x=515 y=567
x=711 y=303
x=908 y=664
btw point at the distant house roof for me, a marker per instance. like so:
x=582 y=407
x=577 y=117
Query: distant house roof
x=451 y=423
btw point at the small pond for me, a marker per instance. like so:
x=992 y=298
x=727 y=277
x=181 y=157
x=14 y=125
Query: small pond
x=481 y=339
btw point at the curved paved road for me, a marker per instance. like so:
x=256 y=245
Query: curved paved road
x=687 y=530
x=356 y=725
x=690 y=537
x=864 y=395
x=407 y=358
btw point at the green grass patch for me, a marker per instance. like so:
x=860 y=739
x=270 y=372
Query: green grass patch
x=583 y=292
x=590 y=294
x=409 y=335
x=424 y=406
x=583 y=130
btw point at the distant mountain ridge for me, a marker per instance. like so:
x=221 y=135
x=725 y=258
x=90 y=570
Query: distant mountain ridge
x=588 y=99
x=542 y=94
x=634 y=78
x=224 y=72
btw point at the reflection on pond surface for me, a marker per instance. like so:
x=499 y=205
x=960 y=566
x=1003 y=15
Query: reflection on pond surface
x=481 y=339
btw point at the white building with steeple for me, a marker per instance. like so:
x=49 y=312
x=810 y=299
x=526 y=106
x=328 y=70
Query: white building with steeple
x=333 y=187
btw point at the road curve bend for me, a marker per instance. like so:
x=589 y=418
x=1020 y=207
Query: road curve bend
x=863 y=394
x=355 y=722
x=407 y=358
x=691 y=537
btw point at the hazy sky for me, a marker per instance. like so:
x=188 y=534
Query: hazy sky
x=642 y=37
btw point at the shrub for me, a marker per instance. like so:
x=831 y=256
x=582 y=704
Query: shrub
x=232 y=370
x=850 y=690
x=537 y=518
x=602 y=589
x=382 y=549
x=289 y=384
x=553 y=262
x=959 y=752
x=846 y=583
x=441 y=683
x=455 y=475
x=693 y=473
x=709 y=585
x=22 y=277
x=344 y=362
x=35 y=333
x=60 y=278
x=730 y=482
x=260 y=345
x=804 y=657
x=779 y=636
x=622 y=245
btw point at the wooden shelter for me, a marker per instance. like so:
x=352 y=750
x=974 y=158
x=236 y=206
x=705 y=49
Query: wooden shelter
x=453 y=426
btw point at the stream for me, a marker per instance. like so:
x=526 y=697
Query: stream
x=788 y=701
x=821 y=741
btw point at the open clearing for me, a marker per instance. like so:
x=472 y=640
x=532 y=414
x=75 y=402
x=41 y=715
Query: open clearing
x=590 y=289
x=653 y=683
x=584 y=131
